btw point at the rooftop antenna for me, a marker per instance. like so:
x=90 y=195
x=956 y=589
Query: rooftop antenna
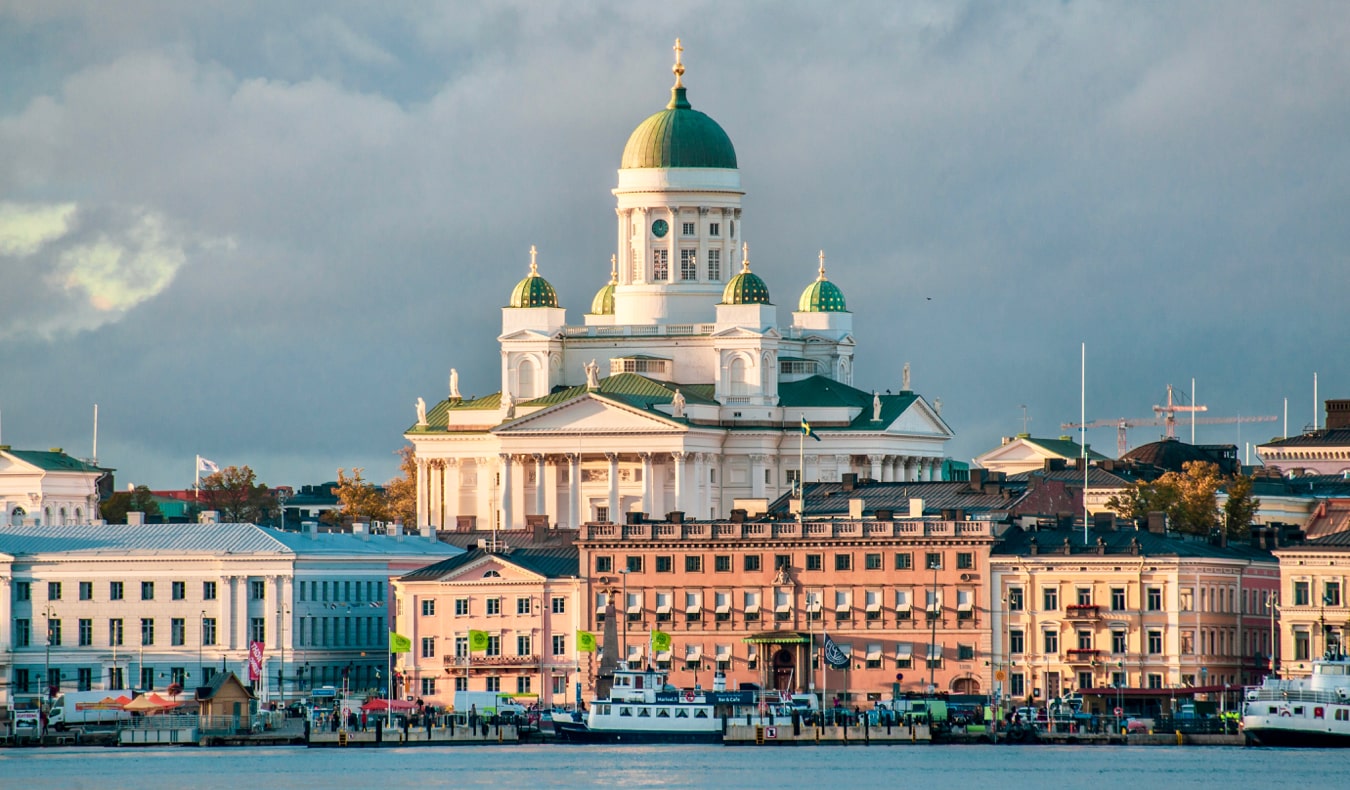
x=1025 y=419
x=1082 y=435
x=94 y=459
x=1315 y=401
x=1193 y=413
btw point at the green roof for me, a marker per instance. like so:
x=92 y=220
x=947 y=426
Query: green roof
x=679 y=136
x=822 y=296
x=603 y=303
x=533 y=291
x=821 y=392
x=1066 y=448
x=53 y=461
x=746 y=288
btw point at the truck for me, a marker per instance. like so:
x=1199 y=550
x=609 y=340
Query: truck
x=81 y=709
x=487 y=703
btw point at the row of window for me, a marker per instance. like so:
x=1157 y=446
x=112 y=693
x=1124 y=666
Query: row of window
x=115 y=634
x=1212 y=599
x=1331 y=593
x=25 y=680
x=23 y=591
x=1016 y=599
x=751 y=563
x=492 y=606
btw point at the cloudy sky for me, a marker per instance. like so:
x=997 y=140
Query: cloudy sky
x=259 y=231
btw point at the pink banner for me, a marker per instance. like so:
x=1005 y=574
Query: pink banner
x=255 y=659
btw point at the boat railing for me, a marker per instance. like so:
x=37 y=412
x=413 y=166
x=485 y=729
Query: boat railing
x=1269 y=694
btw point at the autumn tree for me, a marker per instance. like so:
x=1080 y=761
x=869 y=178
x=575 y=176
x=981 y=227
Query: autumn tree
x=361 y=499
x=114 y=509
x=237 y=496
x=401 y=492
x=1239 y=511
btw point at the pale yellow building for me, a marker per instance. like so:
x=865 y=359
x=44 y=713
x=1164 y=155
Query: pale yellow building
x=1314 y=618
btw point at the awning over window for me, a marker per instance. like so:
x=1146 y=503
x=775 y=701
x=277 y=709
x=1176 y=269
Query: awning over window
x=777 y=638
x=693 y=609
x=635 y=651
x=724 y=608
x=693 y=652
x=635 y=608
x=752 y=608
x=663 y=655
x=724 y=652
x=663 y=609
x=784 y=608
x=904 y=651
x=874 y=652
x=934 y=652
x=874 y=607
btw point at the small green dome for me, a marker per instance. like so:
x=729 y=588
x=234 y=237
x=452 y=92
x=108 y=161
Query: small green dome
x=533 y=291
x=746 y=288
x=603 y=303
x=822 y=296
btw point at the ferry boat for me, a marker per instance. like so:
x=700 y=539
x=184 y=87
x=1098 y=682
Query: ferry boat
x=641 y=708
x=1312 y=711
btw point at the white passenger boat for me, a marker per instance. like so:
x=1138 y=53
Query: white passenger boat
x=641 y=708
x=1312 y=711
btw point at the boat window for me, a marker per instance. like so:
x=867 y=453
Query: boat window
x=663 y=713
x=644 y=713
x=1330 y=669
x=605 y=710
x=701 y=713
x=1298 y=711
x=1273 y=709
x=625 y=711
x=681 y=714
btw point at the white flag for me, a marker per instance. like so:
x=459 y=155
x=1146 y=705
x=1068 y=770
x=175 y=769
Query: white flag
x=204 y=465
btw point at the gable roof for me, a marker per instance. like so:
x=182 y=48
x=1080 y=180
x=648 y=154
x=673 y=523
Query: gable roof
x=824 y=500
x=53 y=461
x=550 y=563
x=1064 y=448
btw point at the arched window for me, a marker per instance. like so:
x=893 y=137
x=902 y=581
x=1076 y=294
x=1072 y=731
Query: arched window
x=492 y=575
x=525 y=378
x=16 y=517
x=62 y=514
x=736 y=378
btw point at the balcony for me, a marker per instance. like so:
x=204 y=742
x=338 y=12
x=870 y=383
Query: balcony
x=1082 y=611
x=522 y=662
x=1083 y=655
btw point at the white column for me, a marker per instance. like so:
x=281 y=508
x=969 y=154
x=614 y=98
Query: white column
x=485 y=506
x=902 y=469
x=434 y=486
x=700 y=491
x=574 y=489
x=6 y=623
x=552 y=499
x=508 y=519
x=647 y=482
x=757 y=476
x=450 y=475
x=875 y=462
x=677 y=460
x=842 y=465
x=421 y=491
x=241 y=611
x=518 y=508
x=925 y=470
x=614 y=514
x=540 y=503
x=811 y=474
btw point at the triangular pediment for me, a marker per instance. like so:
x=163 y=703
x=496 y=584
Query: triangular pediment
x=490 y=568
x=741 y=331
x=525 y=334
x=1017 y=455
x=591 y=414
x=846 y=340
x=920 y=418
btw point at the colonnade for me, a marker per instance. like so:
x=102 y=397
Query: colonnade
x=570 y=488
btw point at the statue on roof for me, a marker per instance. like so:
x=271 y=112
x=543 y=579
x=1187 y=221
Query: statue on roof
x=677 y=404
x=421 y=413
x=937 y=406
x=454 y=385
x=510 y=405
x=592 y=375
x=904 y=377
x=876 y=407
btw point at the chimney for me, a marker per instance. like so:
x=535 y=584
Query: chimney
x=208 y=517
x=360 y=528
x=884 y=514
x=849 y=481
x=675 y=517
x=1035 y=546
x=855 y=509
x=633 y=517
x=312 y=529
x=135 y=519
x=1157 y=522
x=977 y=479
x=915 y=507
x=738 y=516
x=395 y=529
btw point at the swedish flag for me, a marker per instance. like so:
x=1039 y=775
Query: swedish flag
x=806 y=429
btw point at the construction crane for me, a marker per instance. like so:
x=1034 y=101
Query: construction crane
x=1164 y=415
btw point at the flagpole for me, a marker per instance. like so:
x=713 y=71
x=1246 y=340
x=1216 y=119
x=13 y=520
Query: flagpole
x=801 y=475
x=389 y=683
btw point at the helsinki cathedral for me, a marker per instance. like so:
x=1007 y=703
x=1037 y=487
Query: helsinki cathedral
x=678 y=391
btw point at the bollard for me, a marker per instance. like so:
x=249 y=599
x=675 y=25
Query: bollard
x=1179 y=742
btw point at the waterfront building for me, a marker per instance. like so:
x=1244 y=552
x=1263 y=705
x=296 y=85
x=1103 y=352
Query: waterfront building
x=1128 y=609
x=1313 y=614
x=679 y=391
x=49 y=487
x=528 y=603
x=122 y=606
x=1026 y=453
x=749 y=599
x=1319 y=451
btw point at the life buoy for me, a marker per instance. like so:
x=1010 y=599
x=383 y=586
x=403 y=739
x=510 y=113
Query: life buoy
x=1284 y=712
x=688 y=696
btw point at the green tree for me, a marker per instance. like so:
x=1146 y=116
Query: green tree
x=1189 y=498
x=237 y=496
x=360 y=499
x=115 y=508
x=1240 y=510
x=401 y=492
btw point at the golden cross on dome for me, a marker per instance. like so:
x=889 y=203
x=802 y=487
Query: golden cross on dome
x=678 y=68
x=745 y=256
x=822 y=264
x=613 y=268
x=534 y=266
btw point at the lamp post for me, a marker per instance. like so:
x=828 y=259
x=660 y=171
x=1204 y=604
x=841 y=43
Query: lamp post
x=624 y=574
x=1273 y=604
x=283 y=614
x=281 y=507
x=47 y=614
x=201 y=643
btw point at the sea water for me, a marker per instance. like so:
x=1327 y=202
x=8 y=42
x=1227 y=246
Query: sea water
x=817 y=767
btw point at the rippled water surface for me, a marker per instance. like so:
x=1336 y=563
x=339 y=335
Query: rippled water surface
x=826 y=768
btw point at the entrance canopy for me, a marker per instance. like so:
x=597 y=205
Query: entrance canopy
x=777 y=638
x=382 y=705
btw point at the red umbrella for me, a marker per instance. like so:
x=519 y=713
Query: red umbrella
x=384 y=705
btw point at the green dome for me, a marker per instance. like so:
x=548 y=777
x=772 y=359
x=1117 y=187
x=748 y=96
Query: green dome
x=603 y=303
x=746 y=288
x=533 y=291
x=822 y=296
x=679 y=136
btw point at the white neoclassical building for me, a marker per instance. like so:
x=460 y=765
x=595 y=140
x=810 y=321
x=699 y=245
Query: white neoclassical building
x=679 y=390
x=47 y=487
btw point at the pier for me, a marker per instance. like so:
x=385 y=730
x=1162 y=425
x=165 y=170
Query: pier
x=787 y=734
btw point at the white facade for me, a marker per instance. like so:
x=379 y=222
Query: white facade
x=47 y=487
x=187 y=599
x=686 y=396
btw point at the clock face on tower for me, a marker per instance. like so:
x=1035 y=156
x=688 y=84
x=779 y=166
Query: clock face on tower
x=659 y=228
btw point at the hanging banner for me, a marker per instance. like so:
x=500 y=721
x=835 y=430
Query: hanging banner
x=255 y=660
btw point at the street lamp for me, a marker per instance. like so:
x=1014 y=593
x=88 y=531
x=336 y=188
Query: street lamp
x=201 y=642
x=283 y=614
x=1273 y=604
x=281 y=507
x=47 y=614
